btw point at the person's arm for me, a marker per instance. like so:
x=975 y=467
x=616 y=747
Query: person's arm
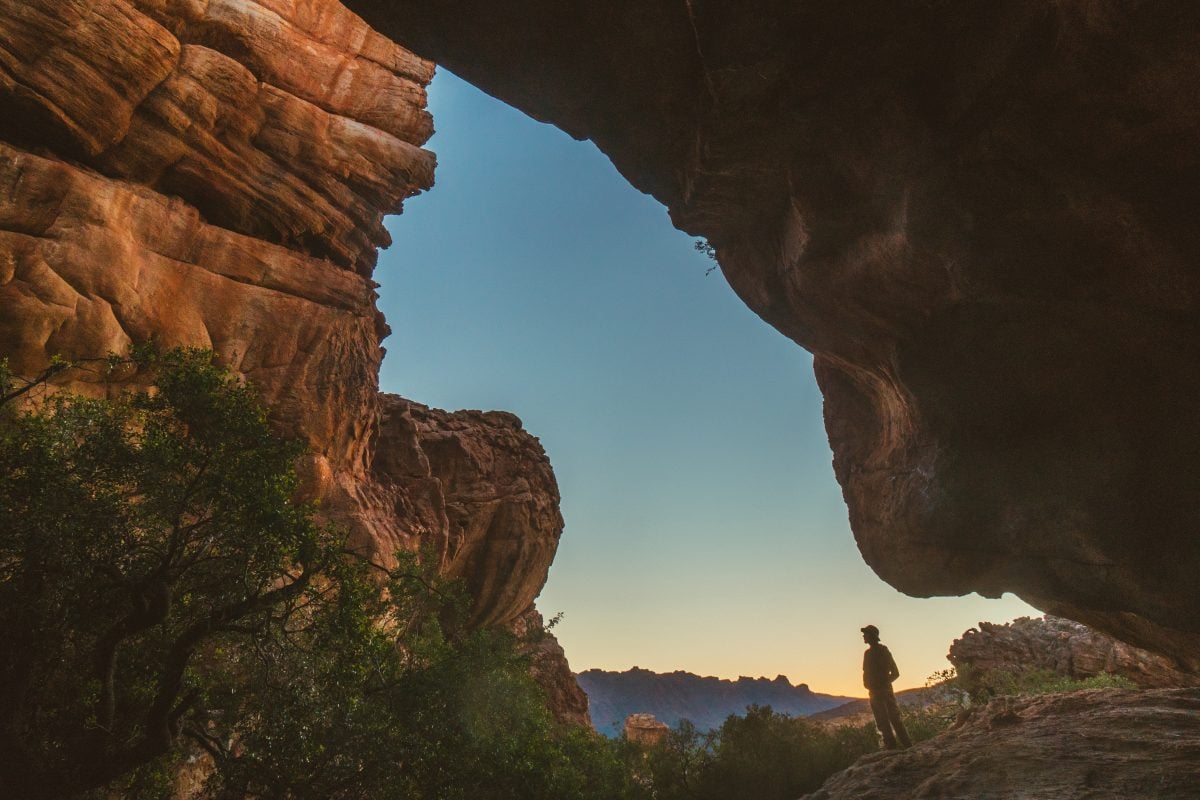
x=893 y=670
x=866 y=656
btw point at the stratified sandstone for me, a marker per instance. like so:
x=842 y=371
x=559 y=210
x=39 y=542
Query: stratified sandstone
x=1134 y=745
x=479 y=489
x=1063 y=647
x=209 y=102
x=979 y=217
x=89 y=265
x=173 y=172
x=215 y=173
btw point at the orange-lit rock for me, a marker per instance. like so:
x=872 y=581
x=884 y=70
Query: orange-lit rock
x=479 y=488
x=208 y=102
x=550 y=668
x=216 y=174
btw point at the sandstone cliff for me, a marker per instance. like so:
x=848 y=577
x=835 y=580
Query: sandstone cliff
x=216 y=174
x=1063 y=647
x=1099 y=743
x=979 y=217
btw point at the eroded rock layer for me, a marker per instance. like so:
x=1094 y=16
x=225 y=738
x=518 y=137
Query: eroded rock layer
x=1138 y=745
x=979 y=217
x=215 y=173
x=174 y=170
x=477 y=487
x=1062 y=647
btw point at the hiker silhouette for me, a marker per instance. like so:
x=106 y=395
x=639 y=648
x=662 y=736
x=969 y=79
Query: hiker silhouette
x=879 y=670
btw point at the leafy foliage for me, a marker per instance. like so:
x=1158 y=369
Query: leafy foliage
x=972 y=687
x=759 y=756
x=135 y=532
x=161 y=592
x=703 y=247
x=1002 y=683
x=957 y=691
x=766 y=755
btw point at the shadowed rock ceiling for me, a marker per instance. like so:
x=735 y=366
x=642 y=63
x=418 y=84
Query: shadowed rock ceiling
x=980 y=217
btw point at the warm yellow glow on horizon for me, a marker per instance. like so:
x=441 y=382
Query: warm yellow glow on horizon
x=823 y=650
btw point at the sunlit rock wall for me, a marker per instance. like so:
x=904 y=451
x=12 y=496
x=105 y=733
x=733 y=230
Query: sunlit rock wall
x=215 y=173
x=981 y=219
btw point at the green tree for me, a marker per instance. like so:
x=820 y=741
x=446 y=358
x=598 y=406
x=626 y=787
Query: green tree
x=762 y=755
x=135 y=534
x=162 y=593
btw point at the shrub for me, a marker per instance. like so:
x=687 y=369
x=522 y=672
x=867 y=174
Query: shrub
x=759 y=756
x=160 y=590
x=979 y=687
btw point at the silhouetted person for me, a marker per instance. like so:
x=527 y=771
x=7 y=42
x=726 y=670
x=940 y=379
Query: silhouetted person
x=879 y=670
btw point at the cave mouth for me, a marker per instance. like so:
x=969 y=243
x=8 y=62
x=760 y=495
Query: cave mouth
x=704 y=528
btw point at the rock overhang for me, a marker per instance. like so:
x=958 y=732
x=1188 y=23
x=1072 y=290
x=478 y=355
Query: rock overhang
x=977 y=216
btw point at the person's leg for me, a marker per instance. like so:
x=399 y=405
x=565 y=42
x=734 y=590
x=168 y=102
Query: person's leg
x=880 y=710
x=893 y=711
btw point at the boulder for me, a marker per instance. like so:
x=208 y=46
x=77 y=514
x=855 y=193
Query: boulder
x=1063 y=647
x=644 y=729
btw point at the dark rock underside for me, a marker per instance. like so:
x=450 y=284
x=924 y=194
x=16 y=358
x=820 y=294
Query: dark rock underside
x=979 y=217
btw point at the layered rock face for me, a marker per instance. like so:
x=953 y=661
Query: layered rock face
x=215 y=173
x=1063 y=647
x=978 y=216
x=172 y=170
x=1099 y=743
x=477 y=488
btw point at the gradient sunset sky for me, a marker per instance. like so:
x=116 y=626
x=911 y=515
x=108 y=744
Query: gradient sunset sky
x=704 y=528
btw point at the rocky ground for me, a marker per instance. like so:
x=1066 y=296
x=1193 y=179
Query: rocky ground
x=1105 y=743
x=1099 y=743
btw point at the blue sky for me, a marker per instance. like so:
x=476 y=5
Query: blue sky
x=704 y=528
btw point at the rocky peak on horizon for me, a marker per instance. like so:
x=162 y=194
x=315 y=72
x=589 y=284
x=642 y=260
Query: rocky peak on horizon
x=705 y=700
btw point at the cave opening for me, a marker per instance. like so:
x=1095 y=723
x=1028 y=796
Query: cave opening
x=704 y=528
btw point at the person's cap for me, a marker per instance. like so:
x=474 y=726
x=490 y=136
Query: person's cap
x=870 y=630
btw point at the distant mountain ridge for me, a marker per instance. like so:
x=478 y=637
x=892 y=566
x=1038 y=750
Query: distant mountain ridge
x=706 y=701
